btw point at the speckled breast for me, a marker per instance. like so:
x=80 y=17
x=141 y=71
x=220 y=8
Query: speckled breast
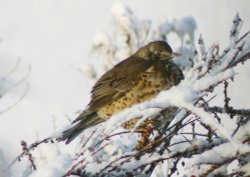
x=148 y=85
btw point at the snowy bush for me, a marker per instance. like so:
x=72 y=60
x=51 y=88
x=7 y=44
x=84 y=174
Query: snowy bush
x=196 y=138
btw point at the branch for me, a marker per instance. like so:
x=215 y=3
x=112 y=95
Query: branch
x=241 y=112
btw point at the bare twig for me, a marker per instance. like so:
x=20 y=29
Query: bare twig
x=15 y=85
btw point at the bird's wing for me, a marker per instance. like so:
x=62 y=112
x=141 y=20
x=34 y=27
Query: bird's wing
x=117 y=81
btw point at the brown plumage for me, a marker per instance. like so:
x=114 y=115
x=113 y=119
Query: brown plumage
x=134 y=80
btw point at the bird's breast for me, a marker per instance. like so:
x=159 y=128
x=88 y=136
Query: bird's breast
x=147 y=86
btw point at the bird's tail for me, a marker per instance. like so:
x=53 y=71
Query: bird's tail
x=82 y=124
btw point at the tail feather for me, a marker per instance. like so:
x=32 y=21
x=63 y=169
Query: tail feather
x=83 y=123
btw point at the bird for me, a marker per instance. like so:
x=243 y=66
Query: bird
x=134 y=80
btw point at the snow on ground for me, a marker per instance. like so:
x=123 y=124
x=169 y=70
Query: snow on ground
x=53 y=35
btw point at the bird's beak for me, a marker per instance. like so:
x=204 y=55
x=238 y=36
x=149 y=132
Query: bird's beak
x=175 y=54
x=166 y=55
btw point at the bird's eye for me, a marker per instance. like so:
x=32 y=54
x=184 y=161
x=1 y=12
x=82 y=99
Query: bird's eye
x=157 y=53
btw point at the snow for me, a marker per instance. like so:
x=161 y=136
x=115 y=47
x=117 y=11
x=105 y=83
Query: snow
x=88 y=70
x=50 y=161
x=246 y=46
x=123 y=16
x=212 y=79
x=184 y=26
x=208 y=119
x=216 y=156
x=245 y=168
x=237 y=24
x=101 y=39
x=52 y=36
x=243 y=132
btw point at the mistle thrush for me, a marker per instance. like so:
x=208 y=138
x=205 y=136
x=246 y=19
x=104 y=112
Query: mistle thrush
x=136 y=79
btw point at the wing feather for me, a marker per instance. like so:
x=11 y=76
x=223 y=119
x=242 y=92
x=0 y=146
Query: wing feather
x=113 y=84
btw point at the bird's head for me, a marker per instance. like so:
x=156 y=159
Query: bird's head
x=158 y=50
